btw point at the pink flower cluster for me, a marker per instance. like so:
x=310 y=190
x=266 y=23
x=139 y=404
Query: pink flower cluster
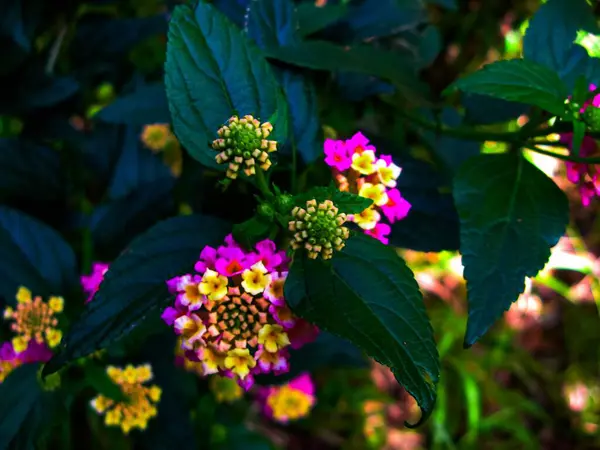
x=91 y=282
x=358 y=169
x=585 y=176
x=230 y=315
x=291 y=401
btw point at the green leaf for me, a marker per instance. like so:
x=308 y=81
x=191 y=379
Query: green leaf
x=368 y=295
x=20 y=392
x=134 y=287
x=251 y=231
x=214 y=71
x=578 y=135
x=33 y=255
x=518 y=80
x=511 y=214
x=323 y=55
x=314 y=18
x=346 y=202
x=272 y=22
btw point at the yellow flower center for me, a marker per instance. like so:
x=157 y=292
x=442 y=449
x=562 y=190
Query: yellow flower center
x=289 y=404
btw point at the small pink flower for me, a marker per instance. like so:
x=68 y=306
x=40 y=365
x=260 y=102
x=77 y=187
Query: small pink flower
x=291 y=401
x=231 y=261
x=302 y=333
x=273 y=362
x=268 y=254
x=336 y=155
x=584 y=175
x=274 y=292
x=380 y=232
x=396 y=208
x=90 y=283
x=207 y=259
x=358 y=144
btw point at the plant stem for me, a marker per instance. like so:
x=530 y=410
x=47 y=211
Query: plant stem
x=571 y=158
x=261 y=183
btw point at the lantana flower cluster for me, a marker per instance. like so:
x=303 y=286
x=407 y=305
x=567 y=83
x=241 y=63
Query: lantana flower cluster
x=290 y=401
x=585 y=176
x=231 y=315
x=140 y=401
x=242 y=144
x=35 y=326
x=358 y=169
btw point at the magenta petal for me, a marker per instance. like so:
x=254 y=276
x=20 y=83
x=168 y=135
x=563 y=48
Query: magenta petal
x=303 y=383
x=169 y=315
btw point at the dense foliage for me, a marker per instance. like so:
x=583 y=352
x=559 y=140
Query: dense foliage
x=250 y=224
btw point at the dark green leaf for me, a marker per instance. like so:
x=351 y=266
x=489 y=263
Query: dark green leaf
x=20 y=392
x=212 y=72
x=134 y=287
x=518 y=80
x=251 y=231
x=346 y=202
x=484 y=110
x=314 y=18
x=358 y=86
x=21 y=162
x=322 y=55
x=578 y=135
x=272 y=22
x=34 y=255
x=449 y=4
x=302 y=101
x=368 y=295
x=511 y=214
x=146 y=105
x=552 y=30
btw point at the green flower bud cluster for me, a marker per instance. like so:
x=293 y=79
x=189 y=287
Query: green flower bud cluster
x=591 y=116
x=243 y=143
x=318 y=228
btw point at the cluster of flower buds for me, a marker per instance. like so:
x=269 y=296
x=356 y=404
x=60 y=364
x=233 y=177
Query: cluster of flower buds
x=318 y=228
x=231 y=316
x=140 y=401
x=34 y=319
x=243 y=143
x=290 y=401
x=357 y=169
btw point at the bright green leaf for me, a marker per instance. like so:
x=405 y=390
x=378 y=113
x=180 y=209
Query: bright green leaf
x=511 y=214
x=368 y=295
x=518 y=80
x=214 y=71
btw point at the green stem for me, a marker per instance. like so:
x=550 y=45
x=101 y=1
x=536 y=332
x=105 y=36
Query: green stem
x=261 y=183
x=577 y=159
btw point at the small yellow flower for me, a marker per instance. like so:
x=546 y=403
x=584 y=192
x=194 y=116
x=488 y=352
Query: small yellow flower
x=240 y=361
x=256 y=279
x=375 y=192
x=387 y=174
x=287 y=403
x=156 y=136
x=211 y=361
x=23 y=295
x=20 y=344
x=273 y=338
x=101 y=403
x=213 y=285
x=56 y=304
x=53 y=337
x=367 y=219
x=364 y=162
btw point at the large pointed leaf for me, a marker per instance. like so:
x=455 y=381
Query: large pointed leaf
x=33 y=255
x=134 y=287
x=212 y=72
x=518 y=80
x=146 y=105
x=511 y=214
x=369 y=296
x=272 y=22
x=20 y=392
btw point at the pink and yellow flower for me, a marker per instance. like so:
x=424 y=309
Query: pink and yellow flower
x=238 y=324
x=34 y=320
x=370 y=176
x=291 y=401
x=10 y=359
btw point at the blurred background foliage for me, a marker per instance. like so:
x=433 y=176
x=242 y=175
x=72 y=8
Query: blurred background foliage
x=88 y=75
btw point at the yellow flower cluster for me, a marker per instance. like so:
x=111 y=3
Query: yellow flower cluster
x=34 y=319
x=287 y=403
x=318 y=228
x=140 y=404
